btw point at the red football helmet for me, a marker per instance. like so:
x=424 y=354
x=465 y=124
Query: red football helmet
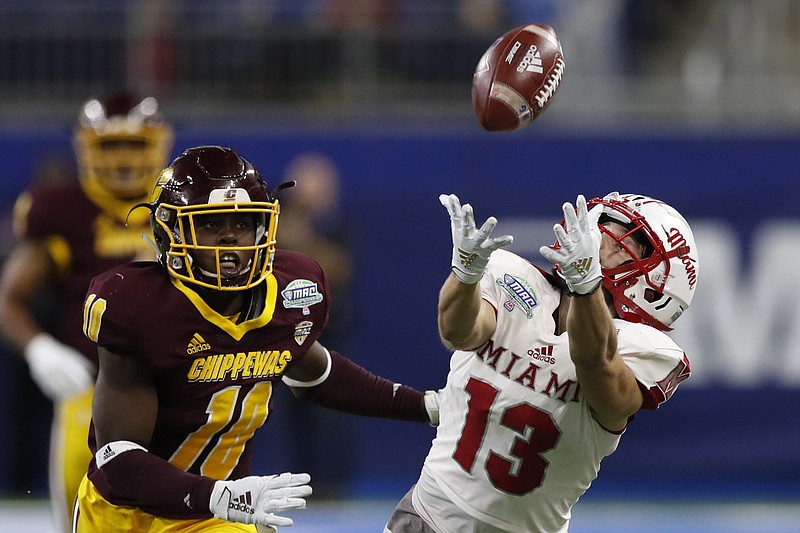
x=121 y=143
x=208 y=180
x=658 y=287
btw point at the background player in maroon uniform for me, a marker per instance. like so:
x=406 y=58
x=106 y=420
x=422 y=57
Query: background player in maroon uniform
x=67 y=233
x=190 y=349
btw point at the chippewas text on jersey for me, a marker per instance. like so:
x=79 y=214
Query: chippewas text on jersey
x=241 y=365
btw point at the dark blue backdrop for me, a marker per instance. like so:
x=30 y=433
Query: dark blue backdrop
x=707 y=442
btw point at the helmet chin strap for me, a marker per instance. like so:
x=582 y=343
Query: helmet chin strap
x=149 y=240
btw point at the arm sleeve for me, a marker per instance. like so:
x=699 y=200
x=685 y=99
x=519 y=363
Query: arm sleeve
x=146 y=478
x=353 y=389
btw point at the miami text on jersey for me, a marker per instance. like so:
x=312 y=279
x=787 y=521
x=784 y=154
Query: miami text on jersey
x=522 y=370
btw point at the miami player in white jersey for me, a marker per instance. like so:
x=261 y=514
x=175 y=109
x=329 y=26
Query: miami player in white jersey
x=549 y=368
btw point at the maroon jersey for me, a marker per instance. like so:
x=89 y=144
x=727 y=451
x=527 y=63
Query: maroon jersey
x=214 y=377
x=83 y=240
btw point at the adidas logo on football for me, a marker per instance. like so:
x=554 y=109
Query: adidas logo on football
x=197 y=344
x=243 y=503
x=532 y=62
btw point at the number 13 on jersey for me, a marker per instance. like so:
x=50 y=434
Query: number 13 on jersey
x=537 y=431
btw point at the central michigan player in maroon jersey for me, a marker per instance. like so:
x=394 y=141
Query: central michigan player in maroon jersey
x=190 y=348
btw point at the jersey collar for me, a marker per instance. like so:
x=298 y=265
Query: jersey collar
x=237 y=331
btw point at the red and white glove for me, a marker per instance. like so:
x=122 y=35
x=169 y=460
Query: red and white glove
x=254 y=499
x=59 y=370
x=578 y=257
x=472 y=247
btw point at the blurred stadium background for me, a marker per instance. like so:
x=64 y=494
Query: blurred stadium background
x=695 y=102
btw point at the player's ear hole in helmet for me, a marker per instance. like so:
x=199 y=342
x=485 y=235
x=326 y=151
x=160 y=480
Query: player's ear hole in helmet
x=657 y=285
x=212 y=180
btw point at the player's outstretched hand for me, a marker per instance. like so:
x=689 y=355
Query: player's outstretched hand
x=254 y=499
x=578 y=252
x=59 y=370
x=472 y=247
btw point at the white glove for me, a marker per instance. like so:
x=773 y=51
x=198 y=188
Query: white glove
x=431 y=400
x=58 y=370
x=578 y=258
x=472 y=247
x=254 y=499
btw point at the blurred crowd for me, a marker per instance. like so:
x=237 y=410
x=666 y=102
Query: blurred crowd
x=358 y=58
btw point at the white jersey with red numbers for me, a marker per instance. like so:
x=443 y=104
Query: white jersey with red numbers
x=517 y=445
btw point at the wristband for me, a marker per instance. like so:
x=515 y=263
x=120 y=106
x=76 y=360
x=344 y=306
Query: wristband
x=591 y=291
x=431 y=400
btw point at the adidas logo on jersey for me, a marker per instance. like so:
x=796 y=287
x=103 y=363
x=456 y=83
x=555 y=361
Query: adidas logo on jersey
x=243 y=503
x=543 y=353
x=530 y=372
x=197 y=344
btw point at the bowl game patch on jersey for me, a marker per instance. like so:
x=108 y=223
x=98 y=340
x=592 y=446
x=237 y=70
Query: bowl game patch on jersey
x=520 y=294
x=301 y=293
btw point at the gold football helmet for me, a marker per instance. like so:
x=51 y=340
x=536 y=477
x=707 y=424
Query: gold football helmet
x=122 y=142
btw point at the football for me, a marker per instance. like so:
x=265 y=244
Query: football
x=517 y=78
